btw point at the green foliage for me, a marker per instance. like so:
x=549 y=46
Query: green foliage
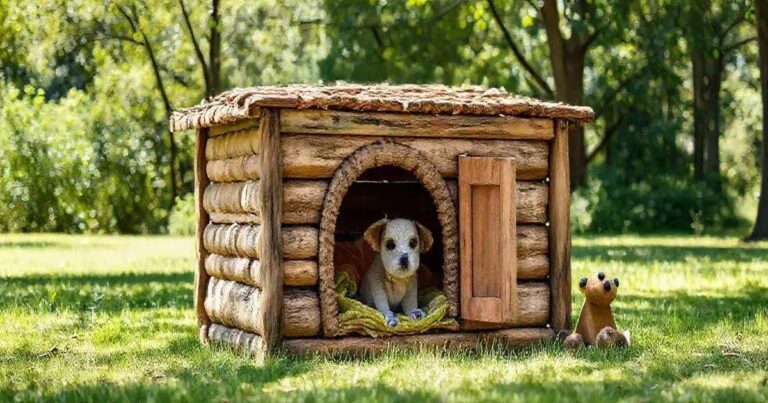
x=75 y=165
x=182 y=220
x=86 y=149
x=110 y=318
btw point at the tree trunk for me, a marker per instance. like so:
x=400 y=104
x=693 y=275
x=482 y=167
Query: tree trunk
x=567 y=60
x=699 y=112
x=760 y=231
x=712 y=132
x=575 y=96
x=214 y=50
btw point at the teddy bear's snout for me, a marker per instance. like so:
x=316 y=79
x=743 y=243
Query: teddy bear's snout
x=607 y=285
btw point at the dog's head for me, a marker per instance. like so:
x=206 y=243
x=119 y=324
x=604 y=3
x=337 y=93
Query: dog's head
x=399 y=243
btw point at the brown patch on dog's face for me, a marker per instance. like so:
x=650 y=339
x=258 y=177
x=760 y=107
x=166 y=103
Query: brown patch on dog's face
x=599 y=289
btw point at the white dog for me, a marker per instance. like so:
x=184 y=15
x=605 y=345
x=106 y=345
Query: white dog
x=391 y=281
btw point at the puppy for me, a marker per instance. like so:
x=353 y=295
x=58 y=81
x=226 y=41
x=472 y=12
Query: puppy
x=390 y=282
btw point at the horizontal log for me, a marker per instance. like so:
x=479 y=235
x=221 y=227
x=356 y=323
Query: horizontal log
x=301 y=313
x=234 y=305
x=236 y=338
x=532 y=240
x=242 y=240
x=303 y=200
x=297 y=273
x=237 y=202
x=241 y=125
x=533 y=267
x=237 y=306
x=317 y=157
x=357 y=346
x=244 y=142
x=234 y=169
x=401 y=124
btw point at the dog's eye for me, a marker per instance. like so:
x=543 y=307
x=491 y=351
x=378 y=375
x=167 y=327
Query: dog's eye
x=390 y=244
x=413 y=243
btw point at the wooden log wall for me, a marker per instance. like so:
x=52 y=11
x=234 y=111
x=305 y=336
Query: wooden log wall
x=312 y=145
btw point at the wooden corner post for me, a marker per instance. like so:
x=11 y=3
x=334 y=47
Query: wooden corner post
x=270 y=235
x=201 y=276
x=559 y=230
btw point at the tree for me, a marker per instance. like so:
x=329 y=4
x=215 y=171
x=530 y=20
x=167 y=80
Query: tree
x=586 y=22
x=211 y=69
x=712 y=28
x=760 y=230
x=139 y=37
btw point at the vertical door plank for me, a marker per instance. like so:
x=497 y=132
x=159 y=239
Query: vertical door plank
x=488 y=239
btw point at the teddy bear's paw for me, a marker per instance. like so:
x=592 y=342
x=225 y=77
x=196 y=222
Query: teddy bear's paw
x=416 y=314
x=610 y=337
x=391 y=319
x=574 y=341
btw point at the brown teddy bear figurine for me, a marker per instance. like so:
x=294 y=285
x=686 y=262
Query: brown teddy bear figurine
x=596 y=325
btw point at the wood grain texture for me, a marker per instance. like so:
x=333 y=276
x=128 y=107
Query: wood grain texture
x=487 y=238
x=317 y=157
x=296 y=273
x=358 y=346
x=532 y=309
x=270 y=205
x=399 y=125
x=237 y=339
x=560 y=235
x=240 y=306
x=240 y=125
x=299 y=242
x=201 y=276
x=235 y=202
x=235 y=144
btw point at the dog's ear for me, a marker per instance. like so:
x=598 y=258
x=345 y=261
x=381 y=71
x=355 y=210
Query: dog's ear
x=425 y=237
x=374 y=232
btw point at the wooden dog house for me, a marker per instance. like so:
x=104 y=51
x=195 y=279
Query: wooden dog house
x=283 y=173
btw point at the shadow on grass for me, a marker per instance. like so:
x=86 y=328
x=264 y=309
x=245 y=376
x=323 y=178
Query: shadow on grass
x=672 y=254
x=103 y=292
x=32 y=244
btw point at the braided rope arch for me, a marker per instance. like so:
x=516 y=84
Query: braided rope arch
x=384 y=153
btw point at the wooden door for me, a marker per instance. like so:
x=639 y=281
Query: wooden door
x=487 y=235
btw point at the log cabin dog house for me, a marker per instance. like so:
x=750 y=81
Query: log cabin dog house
x=284 y=174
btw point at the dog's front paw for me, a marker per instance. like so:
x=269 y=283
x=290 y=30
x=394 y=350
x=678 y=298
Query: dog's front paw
x=391 y=319
x=416 y=314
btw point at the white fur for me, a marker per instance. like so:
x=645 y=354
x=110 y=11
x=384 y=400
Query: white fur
x=391 y=281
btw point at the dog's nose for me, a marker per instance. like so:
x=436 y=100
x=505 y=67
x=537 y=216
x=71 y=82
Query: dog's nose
x=404 y=261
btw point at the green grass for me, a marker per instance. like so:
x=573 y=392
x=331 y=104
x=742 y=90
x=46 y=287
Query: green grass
x=95 y=318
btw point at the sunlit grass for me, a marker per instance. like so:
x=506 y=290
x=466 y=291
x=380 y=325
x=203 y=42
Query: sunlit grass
x=89 y=318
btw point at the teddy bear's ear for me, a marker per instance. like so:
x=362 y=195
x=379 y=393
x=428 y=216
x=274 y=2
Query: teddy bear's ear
x=425 y=237
x=373 y=234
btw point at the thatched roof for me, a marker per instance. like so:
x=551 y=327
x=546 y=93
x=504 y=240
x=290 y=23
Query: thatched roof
x=242 y=103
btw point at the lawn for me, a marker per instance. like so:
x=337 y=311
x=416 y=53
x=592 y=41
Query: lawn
x=102 y=318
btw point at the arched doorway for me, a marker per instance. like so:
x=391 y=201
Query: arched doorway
x=369 y=157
